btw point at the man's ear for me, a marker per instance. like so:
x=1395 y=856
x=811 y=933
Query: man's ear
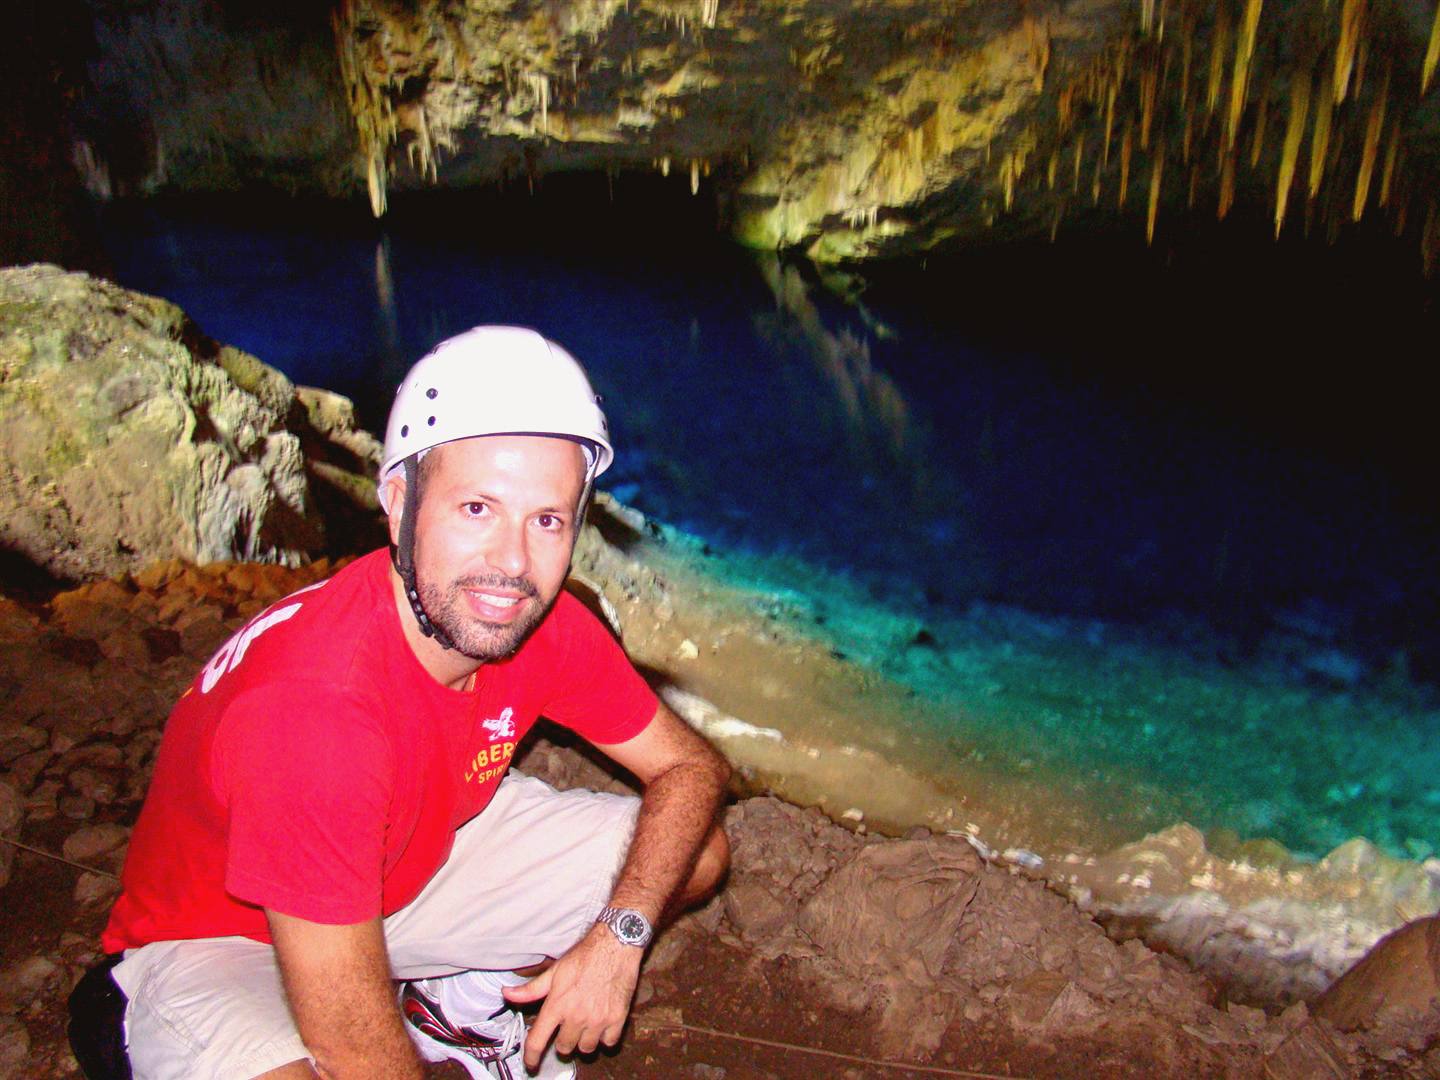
x=395 y=492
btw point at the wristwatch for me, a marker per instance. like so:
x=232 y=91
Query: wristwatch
x=631 y=927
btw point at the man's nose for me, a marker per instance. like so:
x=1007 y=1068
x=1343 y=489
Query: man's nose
x=510 y=551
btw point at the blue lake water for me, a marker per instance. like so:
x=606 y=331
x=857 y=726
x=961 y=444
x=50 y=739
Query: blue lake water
x=1225 y=459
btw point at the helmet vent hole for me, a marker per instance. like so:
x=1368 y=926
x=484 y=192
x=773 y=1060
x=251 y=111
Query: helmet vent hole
x=431 y=393
x=404 y=430
x=431 y=421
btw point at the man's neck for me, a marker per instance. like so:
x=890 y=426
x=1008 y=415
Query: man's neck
x=446 y=666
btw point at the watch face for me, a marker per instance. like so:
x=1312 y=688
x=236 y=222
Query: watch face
x=632 y=927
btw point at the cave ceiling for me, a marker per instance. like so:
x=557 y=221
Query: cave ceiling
x=846 y=129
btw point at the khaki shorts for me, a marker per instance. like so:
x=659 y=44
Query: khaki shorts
x=525 y=881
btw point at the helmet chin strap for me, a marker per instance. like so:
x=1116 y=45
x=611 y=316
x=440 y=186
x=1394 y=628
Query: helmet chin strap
x=402 y=555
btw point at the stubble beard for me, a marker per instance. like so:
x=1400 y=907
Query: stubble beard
x=475 y=638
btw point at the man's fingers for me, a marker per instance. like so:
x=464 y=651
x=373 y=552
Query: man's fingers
x=540 y=1032
x=533 y=990
x=570 y=1034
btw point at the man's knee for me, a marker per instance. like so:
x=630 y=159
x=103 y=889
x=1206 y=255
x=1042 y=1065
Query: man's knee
x=711 y=865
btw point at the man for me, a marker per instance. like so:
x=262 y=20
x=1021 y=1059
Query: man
x=330 y=811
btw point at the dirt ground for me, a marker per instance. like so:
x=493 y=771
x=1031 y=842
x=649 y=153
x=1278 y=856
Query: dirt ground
x=831 y=952
x=716 y=1012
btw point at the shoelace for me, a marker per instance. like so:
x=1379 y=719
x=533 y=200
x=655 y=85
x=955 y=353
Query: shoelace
x=491 y=1042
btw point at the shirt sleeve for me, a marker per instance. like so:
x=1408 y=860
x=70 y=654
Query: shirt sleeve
x=306 y=778
x=599 y=695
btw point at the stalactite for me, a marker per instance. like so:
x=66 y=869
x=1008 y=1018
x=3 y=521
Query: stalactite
x=1055 y=221
x=1194 y=184
x=1352 y=14
x=1157 y=167
x=1037 y=34
x=1392 y=154
x=1262 y=115
x=1320 y=135
x=1401 y=210
x=375 y=181
x=709 y=10
x=428 y=162
x=1294 y=134
x=1185 y=135
x=1249 y=27
x=1240 y=76
x=1125 y=146
x=539 y=84
x=1219 y=46
x=1432 y=54
x=1227 y=185
x=1187 y=45
x=1369 y=151
x=1149 y=80
x=694 y=177
x=1109 y=121
x=1050 y=170
x=1079 y=154
x=1147 y=16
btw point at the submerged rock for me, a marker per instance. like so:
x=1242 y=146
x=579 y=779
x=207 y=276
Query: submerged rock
x=1278 y=930
x=1400 y=975
x=127 y=436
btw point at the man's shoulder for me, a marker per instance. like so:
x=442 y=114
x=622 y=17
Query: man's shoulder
x=331 y=633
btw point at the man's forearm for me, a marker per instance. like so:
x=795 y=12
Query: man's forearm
x=337 y=982
x=588 y=991
x=677 y=812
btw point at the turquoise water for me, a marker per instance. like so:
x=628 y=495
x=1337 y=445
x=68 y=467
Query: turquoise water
x=1118 y=543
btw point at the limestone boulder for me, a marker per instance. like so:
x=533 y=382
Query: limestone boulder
x=127 y=437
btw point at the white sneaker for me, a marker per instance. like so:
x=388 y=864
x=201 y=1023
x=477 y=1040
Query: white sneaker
x=490 y=1049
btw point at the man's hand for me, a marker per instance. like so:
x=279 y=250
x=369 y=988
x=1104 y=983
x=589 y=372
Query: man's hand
x=587 y=996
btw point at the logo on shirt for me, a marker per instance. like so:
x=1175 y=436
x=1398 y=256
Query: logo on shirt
x=493 y=758
x=234 y=650
x=502 y=726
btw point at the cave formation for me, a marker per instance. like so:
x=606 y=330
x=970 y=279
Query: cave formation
x=843 y=131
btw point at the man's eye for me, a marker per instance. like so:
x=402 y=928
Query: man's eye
x=475 y=509
x=548 y=521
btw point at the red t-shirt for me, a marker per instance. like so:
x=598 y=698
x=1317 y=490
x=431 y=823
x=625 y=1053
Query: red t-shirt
x=315 y=768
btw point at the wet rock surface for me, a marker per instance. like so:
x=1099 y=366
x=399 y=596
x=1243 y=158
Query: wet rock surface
x=885 y=950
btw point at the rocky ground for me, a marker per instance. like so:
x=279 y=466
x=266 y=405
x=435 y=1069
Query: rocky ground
x=831 y=952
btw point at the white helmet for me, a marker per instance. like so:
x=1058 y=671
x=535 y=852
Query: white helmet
x=495 y=380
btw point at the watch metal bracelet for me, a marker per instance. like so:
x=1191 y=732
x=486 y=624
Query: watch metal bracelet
x=629 y=926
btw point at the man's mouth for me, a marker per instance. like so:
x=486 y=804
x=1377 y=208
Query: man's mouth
x=495 y=607
x=495 y=600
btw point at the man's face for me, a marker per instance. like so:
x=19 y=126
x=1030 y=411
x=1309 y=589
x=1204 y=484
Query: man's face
x=493 y=538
